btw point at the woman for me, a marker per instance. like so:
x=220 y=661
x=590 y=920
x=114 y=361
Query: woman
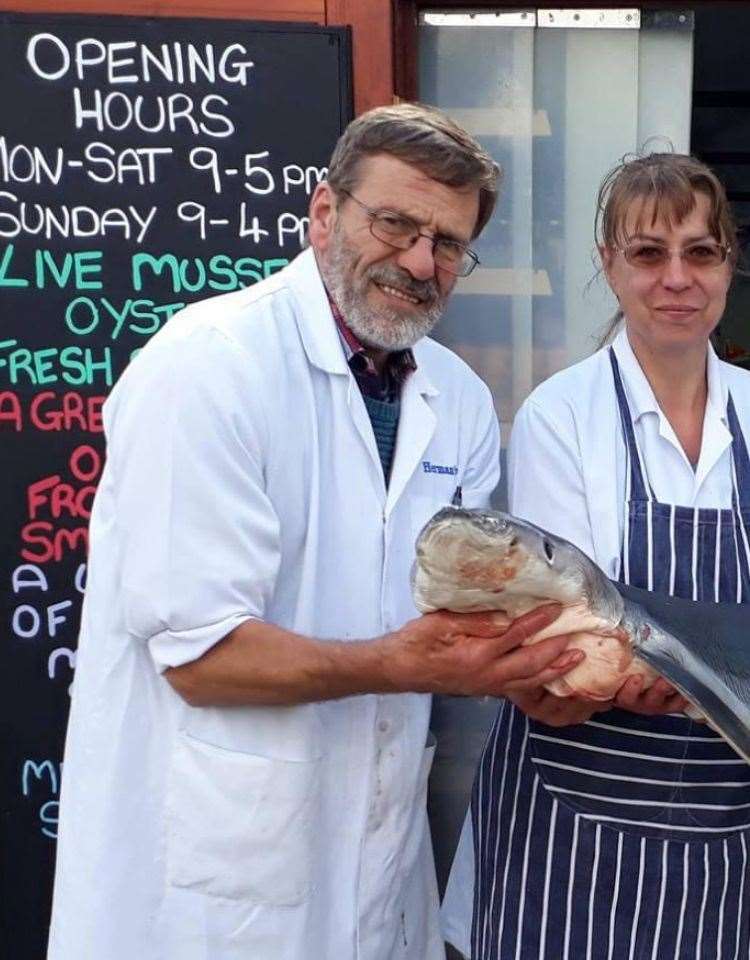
x=626 y=834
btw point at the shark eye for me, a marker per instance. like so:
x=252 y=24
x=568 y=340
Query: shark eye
x=548 y=551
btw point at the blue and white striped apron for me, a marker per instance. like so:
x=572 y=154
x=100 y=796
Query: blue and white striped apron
x=626 y=837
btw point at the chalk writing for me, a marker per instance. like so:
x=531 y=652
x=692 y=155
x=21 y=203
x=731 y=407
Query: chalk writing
x=28 y=621
x=290 y=226
x=176 y=113
x=51 y=499
x=306 y=177
x=73 y=365
x=44 y=542
x=194 y=274
x=67 y=411
x=81 y=269
x=18 y=217
x=38 y=771
x=65 y=654
x=52 y=58
x=28 y=576
x=44 y=619
x=49 y=411
x=23 y=164
x=141 y=316
x=42 y=778
x=11 y=410
x=133 y=164
x=143 y=165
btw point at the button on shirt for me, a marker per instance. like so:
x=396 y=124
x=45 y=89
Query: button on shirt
x=567 y=461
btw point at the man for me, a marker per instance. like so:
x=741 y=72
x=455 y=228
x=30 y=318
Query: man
x=247 y=756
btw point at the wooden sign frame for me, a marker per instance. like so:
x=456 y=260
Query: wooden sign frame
x=371 y=22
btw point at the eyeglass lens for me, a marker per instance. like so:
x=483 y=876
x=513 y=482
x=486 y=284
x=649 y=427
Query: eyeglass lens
x=656 y=255
x=403 y=233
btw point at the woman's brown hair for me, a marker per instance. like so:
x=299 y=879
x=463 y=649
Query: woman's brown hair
x=664 y=185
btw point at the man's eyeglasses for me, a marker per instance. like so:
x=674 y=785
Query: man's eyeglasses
x=402 y=233
x=648 y=255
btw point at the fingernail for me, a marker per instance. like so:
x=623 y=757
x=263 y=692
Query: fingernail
x=568 y=659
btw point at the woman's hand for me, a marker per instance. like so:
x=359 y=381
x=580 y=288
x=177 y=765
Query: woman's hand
x=545 y=707
x=660 y=697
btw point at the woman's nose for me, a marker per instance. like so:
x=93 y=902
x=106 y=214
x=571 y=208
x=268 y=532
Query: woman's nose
x=676 y=275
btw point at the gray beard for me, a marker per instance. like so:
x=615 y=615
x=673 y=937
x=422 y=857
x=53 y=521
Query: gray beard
x=384 y=328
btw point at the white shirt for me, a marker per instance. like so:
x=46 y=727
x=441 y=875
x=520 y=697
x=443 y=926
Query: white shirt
x=566 y=459
x=243 y=481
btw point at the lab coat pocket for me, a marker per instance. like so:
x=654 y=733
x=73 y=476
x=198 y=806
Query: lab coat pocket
x=241 y=825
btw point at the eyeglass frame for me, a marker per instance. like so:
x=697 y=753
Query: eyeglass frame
x=374 y=212
x=671 y=251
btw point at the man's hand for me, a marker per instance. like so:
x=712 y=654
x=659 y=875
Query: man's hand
x=661 y=697
x=475 y=654
x=555 y=711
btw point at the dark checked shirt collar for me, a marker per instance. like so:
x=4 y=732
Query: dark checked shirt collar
x=380 y=386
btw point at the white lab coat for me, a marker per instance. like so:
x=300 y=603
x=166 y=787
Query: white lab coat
x=243 y=481
x=567 y=473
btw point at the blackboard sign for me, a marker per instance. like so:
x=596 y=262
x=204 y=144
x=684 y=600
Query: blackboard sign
x=144 y=164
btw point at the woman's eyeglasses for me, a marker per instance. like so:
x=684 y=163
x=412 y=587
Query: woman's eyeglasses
x=648 y=255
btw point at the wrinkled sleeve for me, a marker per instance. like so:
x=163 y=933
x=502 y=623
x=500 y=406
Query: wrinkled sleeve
x=482 y=473
x=197 y=536
x=545 y=479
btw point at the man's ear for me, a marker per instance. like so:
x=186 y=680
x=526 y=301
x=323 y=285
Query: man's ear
x=323 y=211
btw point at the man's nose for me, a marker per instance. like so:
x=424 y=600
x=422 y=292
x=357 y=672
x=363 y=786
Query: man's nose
x=676 y=275
x=419 y=259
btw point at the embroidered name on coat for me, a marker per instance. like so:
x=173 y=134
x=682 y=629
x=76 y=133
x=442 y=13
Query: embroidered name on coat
x=438 y=468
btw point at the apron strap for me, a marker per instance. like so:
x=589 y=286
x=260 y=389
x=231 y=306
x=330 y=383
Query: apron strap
x=741 y=471
x=640 y=489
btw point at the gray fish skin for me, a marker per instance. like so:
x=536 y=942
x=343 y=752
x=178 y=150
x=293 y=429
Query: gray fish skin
x=503 y=558
x=473 y=560
x=704 y=652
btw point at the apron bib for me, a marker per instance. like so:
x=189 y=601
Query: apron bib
x=626 y=837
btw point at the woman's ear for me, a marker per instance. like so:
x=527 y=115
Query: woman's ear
x=607 y=256
x=323 y=206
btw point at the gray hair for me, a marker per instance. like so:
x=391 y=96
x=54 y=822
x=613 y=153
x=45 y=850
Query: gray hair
x=425 y=138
